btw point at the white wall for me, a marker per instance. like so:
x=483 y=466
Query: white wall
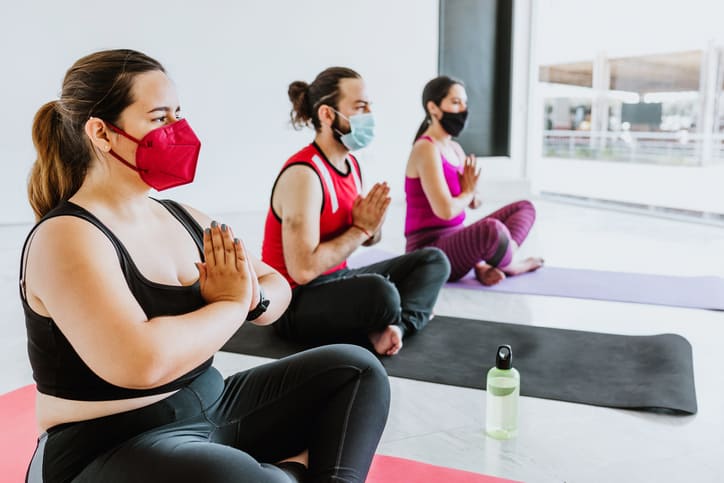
x=232 y=62
x=577 y=30
x=680 y=187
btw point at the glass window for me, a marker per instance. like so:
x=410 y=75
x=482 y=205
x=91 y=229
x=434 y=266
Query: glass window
x=629 y=89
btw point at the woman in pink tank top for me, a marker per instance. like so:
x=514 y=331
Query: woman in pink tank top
x=441 y=182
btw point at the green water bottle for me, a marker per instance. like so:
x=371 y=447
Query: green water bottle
x=503 y=392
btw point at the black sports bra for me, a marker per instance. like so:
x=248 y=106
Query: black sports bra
x=58 y=370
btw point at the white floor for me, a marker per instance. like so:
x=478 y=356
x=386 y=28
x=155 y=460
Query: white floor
x=558 y=442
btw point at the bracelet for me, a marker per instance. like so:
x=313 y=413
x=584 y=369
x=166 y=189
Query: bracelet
x=362 y=230
x=260 y=308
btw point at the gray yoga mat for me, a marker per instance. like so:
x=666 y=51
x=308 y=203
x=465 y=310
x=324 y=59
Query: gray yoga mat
x=653 y=372
x=704 y=292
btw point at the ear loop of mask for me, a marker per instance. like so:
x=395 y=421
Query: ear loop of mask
x=120 y=131
x=336 y=127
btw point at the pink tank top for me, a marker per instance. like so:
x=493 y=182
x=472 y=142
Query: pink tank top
x=419 y=212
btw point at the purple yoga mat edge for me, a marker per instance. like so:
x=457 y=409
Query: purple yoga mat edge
x=704 y=292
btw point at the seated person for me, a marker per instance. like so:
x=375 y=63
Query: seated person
x=318 y=217
x=127 y=299
x=441 y=181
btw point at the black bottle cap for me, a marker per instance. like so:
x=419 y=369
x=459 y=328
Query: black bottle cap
x=504 y=357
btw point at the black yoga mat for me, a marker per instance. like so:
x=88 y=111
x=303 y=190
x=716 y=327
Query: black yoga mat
x=653 y=372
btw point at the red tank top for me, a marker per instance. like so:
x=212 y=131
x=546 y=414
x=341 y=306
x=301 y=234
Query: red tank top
x=339 y=191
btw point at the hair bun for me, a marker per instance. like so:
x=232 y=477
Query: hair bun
x=297 y=89
x=301 y=110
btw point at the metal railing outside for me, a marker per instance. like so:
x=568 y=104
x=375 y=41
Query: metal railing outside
x=665 y=148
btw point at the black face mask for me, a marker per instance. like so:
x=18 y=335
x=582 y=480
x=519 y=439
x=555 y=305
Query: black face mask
x=453 y=122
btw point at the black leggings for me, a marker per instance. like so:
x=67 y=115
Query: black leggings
x=345 y=306
x=332 y=400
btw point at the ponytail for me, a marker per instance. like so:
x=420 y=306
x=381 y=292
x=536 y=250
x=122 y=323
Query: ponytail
x=52 y=179
x=423 y=127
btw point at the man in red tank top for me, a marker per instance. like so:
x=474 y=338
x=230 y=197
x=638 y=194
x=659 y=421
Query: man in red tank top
x=318 y=216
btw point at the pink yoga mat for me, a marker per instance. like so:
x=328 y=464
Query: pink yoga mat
x=19 y=434
x=388 y=469
x=642 y=288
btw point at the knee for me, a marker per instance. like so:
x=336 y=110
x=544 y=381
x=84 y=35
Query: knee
x=491 y=229
x=385 y=296
x=436 y=259
x=528 y=207
x=355 y=356
x=373 y=374
x=361 y=359
x=491 y=224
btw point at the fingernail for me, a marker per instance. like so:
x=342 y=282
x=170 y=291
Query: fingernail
x=207 y=231
x=223 y=227
x=237 y=241
x=214 y=224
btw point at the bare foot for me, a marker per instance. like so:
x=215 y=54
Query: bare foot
x=530 y=264
x=488 y=275
x=388 y=342
x=302 y=458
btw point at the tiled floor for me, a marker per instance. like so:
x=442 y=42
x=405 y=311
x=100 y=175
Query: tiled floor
x=558 y=442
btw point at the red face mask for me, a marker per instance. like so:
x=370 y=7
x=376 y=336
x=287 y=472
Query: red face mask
x=165 y=157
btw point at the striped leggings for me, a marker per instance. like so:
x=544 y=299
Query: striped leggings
x=488 y=239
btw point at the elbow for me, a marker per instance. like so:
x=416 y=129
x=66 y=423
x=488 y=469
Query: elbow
x=279 y=303
x=302 y=276
x=146 y=371
x=445 y=213
x=286 y=296
x=153 y=373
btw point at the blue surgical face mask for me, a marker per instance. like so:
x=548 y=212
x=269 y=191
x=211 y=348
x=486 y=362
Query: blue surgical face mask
x=362 y=131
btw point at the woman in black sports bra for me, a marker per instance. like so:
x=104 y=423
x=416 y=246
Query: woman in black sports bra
x=127 y=299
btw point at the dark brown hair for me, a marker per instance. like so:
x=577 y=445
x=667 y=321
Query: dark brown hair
x=306 y=98
x=97 y=85
x=436 y=90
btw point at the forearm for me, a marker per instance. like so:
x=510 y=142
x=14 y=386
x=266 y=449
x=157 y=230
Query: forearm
x=306 y=266
x=455 y=205
x=374 y=239
x=177 y=344
x=461 y=201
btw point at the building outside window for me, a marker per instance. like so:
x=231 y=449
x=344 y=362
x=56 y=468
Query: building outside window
x=628 y=99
